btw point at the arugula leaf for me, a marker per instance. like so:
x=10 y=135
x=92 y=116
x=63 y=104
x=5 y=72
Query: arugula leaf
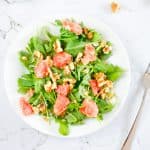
x=38 y=84
x=104 y=106
x=50 y=96
x=71 y=118
x=27 y=60
x=58 y=22
x=73 y=107
x=74 y=95
x=35 y=99
x=25 y=82
x=63 y=128
x=100 y=116
x=113 y=72
x=66 y=35
x=35 y=44
x=96 y=36
x=74 y=116
x=74 y=47
x=105 y=56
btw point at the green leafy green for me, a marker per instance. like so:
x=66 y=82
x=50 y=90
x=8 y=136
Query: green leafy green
x=71 y=118
x=35 y=44
x=113 y=72
x=25 y=82
x=63 y=128
x=50 y=96
x=103 y=105
x=73 y=47
x=66 y=35
x=58 y=22
x=27 y=60
x=38 y=84
x=96 y=36
x=35 y=99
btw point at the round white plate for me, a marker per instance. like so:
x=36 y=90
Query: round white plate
x=13 y=69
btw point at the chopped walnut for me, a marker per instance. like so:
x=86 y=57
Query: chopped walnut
x=101 y=83
x=54 y=85
x=29 y=93
x=79 y=56
x=107 y=49
x=100 y=76
x=109 y=83
x=105 y=86
x=85 y=31
x=48 y=86
x=71 y=66
x=53 y=77
x=67 y=70
x=115 y=7
x=41 y=107
x=90 y=35
x=36 y=110
x=38 y=55
x=103 y=44
x=106 y=89
x=56 y=76
x=69 y=80
x=49 y=61
x=57 y=46
x=71 y=86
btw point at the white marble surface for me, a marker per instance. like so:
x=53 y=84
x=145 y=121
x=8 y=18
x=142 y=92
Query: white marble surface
x=132 y=24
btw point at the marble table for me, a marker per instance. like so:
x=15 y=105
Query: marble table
x=131 y=23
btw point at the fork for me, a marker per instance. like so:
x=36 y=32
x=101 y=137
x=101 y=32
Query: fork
x=146 y=83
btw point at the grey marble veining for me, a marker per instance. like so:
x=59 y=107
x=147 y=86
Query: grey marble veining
x=13 y=25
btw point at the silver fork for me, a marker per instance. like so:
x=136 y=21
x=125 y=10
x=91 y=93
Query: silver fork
x=146 y=83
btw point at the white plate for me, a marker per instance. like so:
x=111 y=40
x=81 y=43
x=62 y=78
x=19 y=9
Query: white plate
x=13 y=70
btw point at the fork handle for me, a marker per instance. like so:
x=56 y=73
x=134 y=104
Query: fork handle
x=128 y=142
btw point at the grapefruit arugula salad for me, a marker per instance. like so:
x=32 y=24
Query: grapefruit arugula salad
x=67 y=76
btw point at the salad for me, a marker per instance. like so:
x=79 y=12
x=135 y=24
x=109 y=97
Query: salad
x=67 y=75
